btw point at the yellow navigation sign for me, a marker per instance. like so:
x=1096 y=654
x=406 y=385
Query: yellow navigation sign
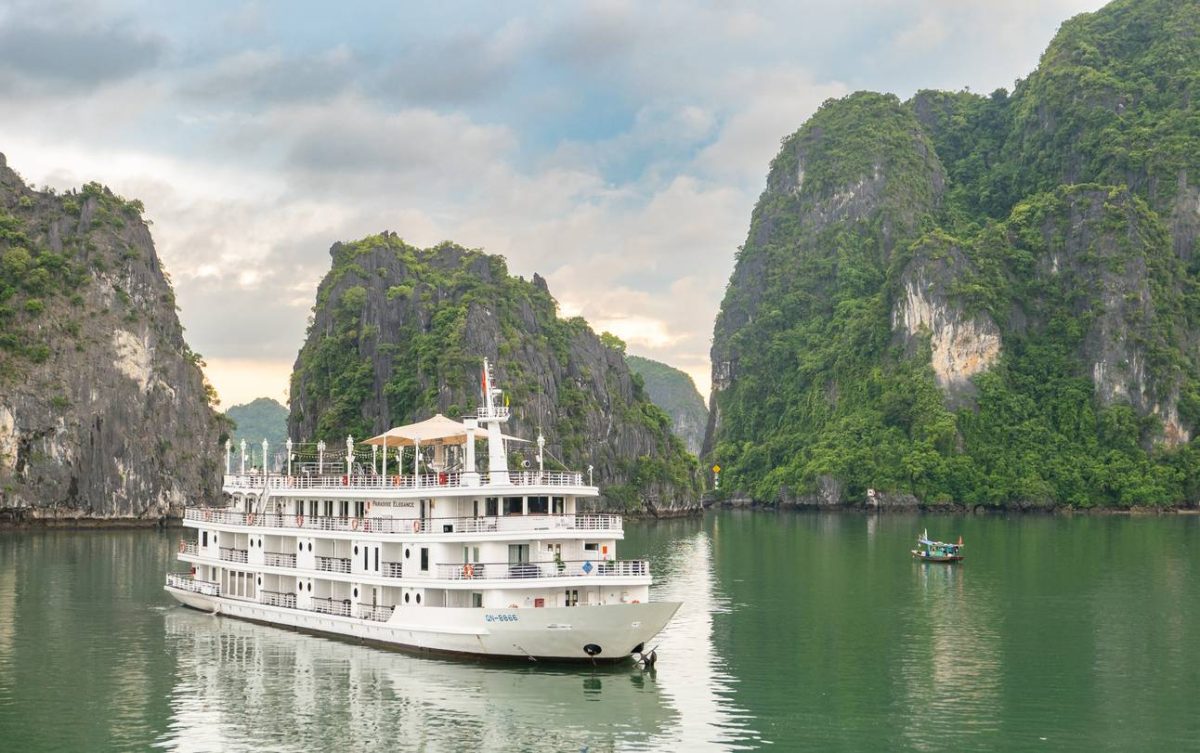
x=716 y=469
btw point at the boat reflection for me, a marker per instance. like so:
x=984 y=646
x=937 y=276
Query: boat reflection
x=951 y=667
x=241 y=686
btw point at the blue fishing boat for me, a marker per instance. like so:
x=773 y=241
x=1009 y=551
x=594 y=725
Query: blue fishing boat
x=937 y=551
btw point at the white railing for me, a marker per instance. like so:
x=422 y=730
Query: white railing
x=189 y=583
x=358 y=482
x=279 y=559
x=392 y=569
x=552 y=569
x=189 y=547
x=333 y=564
x=279 y=599
x=229 y=554
x=330 y=606
x=485 y=524
x=375 y=613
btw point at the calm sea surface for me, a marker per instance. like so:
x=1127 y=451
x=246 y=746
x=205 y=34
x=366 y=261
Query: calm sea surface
x=798 y=632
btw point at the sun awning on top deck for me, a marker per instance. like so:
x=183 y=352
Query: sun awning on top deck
x=438 y=430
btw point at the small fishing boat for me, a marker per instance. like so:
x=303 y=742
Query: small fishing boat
x=937 y=551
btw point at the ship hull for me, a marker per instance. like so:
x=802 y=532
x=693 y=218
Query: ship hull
x=544 y=634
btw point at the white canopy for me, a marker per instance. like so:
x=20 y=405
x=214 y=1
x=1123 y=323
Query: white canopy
x=431 y=431
x=438 y=430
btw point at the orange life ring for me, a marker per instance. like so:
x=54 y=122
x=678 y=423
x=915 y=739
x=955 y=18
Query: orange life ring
x=182 y=546
x=468 y=570
x=193 y=570
x=345 y=480
x=299 y=521
x=395 y=481
x=416 y=526
x=354 y=524
x=207 y=514
x=249 y=518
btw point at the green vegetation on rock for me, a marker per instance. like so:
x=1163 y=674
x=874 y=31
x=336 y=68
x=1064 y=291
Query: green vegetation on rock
x=982 y=300
x=399 y=333
x=676 y=393
x=259 y=419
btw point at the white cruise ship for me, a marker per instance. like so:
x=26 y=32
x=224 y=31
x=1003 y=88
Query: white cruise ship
x=443 y=558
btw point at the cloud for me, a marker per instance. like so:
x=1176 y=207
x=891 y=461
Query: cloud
x=32 y=55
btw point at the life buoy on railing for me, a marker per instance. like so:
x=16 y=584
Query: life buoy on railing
x=443 y=478
x=182 y=546
x=345 y=480
x=395 y=481
x=207 y=514
x=416 y=526
x=468 y=571
x=367 y=506
x=354 y=524
x=249 y=518
x=299 y=521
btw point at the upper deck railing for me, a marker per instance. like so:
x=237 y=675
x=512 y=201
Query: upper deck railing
x=185 y=582
x=374 y=482
x=560 y=569
x=485 y=524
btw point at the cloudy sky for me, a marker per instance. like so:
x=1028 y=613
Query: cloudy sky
x=616 y=148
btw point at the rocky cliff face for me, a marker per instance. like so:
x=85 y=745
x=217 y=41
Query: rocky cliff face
x=399 y=333
x=104 y=413
x=676 y=393
x=991 y=300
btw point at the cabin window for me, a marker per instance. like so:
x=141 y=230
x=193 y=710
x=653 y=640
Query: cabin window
x=476 y=599
x=591 y=547
x=512 y=506
x=476 y=509
x=376 y=559
x=366 y=559
x=424 y=559
x=344 y=508
x=407 y=597
x=559 y=506
x=493 y=506
x=539 y=505
x=204 y=538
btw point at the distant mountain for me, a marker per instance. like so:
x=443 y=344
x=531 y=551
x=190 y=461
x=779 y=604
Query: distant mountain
x=990 y=300
x=676 y=393
x=399 y=333
x=259 y=419
x=104 y=411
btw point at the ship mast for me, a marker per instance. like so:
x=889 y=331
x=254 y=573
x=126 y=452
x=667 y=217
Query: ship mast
x=493 y=413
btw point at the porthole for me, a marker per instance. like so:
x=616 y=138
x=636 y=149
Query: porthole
x=299 y=585
x=356 y=550
x=310 y=546
x=260 y=581
x=356 y=593
x=418 y=598
x=407 y=553
x=406 y=597
x=300 y=546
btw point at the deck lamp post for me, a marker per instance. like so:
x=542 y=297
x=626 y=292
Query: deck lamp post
x=349 y=455
x=541 y=443
x=589 y=475
x=375 y=459
x=289 y=456
x=321 y=457
x=228 y=456
x=265 y=468
x=243 y=457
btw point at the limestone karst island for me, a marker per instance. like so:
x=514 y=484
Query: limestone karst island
x=600 y=376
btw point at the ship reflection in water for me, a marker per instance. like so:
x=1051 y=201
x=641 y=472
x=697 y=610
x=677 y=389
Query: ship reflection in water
x=246 y=687
x=242 y=686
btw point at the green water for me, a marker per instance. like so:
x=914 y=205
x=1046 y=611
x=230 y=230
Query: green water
x=799 y=632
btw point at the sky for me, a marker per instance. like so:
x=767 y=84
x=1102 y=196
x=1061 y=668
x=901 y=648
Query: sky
x=616 y=148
